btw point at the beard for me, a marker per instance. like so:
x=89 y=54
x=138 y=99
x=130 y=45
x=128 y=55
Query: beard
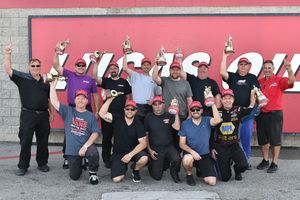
x=114 y=74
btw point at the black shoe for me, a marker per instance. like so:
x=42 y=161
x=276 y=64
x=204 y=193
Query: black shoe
x=66 y=164
x=94 y=180
x=136 y=176
x=238 y=176
x=190 y=180
x=43 y=168
x=264 y=164
x=198 y=172
x=21 y=172
x=175 y=177
x=273 y=168
x=107 y=164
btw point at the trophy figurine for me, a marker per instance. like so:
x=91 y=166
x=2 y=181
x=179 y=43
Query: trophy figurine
x=261 y=98
x=105 y=94
x=127 y=46
x=60 y=48
x=48 y=77
x=174 y=107
x=160 y=58
x=95 y=57
x=208 y=96
x=228 y=46
x=178 y=55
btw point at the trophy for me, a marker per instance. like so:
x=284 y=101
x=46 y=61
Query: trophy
x=49 y=77
x=228 y=46
x=178 y=55
x=95 y=57
x=160 y=58
x=105 y=94
x=208 y=96
x=173 y=108
x=60 y=48
x=261 y=98
x=127 y=46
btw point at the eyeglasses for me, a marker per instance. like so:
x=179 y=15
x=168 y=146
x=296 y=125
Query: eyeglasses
x=35 y=65
x=195 y=110
x=130 y=109
x=80 y=65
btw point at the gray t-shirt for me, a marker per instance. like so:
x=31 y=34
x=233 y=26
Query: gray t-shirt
x=179 y=89
x=78 y=128
x=143 y=87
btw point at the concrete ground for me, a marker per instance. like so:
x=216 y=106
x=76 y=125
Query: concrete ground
x=57 y=185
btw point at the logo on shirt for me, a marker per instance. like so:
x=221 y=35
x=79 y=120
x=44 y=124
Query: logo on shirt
x=78 y=126
x=120 y=85
x=227 y=128
x=85 y=81
x=273 y=85
x=166 y=121
x=241 y=82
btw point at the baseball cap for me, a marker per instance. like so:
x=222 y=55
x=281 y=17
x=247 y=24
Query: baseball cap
x=80 y=61
x=130 y=103
x=81 y=92
x=113 y=63
x=195 y=104
x=244 y=59
x=203 y=64
x=157 y=98
x=227 y=92
x=175 y=65
x=146 y=60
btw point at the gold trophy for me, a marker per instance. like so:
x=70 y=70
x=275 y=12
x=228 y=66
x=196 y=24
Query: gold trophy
x=105 y=94
x=229 y=46
x=174 y=107
x=60 y=48
x=127 y=46
x=48 y=77
x=95 y=57
x=261 y=98
x=160 y=58
x=178 y=55
x=208 y=96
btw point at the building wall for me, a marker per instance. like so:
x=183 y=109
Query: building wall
x=14 y=30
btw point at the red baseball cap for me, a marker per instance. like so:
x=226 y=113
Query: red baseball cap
x=130 y=103
x=80 y=61
x=203 y=64
x=157 y=98
x=195 y=104
x=146 y=60
x=81 y=92
x=113 y=63
x=227 y=92
x=244 y=59
x=175 y=65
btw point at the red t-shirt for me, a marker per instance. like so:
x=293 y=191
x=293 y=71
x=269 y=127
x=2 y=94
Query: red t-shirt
x=273 y=89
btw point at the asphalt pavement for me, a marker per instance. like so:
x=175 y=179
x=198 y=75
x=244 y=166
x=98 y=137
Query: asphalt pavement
x=56 y=184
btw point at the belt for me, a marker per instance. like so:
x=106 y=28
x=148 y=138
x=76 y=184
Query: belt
x=36 y=111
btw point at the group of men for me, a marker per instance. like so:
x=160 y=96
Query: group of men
x=147 y=127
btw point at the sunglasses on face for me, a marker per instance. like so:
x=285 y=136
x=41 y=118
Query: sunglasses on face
x=80 y=66
x=35 y=65
x=130 y=109
x=195 y=110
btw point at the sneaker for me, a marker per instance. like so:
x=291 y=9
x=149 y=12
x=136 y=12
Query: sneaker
x=136 y=176
x=94 y=180
x=21 y=172
x=175 y=177
x=66 y=164
x=43 y=168
x=273 y=168
x=264 y=164
x=238 y=176
x=190 y=180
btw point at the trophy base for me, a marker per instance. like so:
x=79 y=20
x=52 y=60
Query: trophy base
x=161 y=63
x=93 y=58
x=172 y=110
x=127 y=51
x=262 y=104
x=209 y=102
x=59 y=52
x=229 y=51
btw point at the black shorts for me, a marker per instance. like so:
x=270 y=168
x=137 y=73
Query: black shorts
x=269 y=128
x=118 y=167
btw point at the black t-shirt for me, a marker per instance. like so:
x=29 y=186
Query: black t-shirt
x=242 y=86
x=227 y=130
x=34 y=94
x=126 y=137
x=160 y=130
x=198 y=87
x=120 y=85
